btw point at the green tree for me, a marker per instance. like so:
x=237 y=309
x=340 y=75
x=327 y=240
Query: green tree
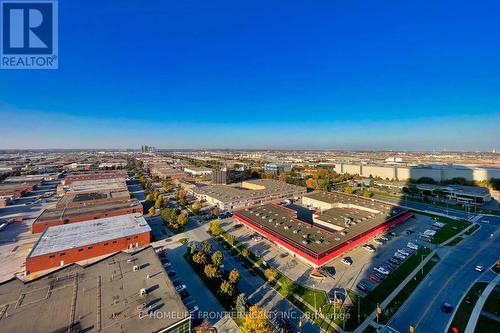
x=211 y=271
x=151 y=211
x=206 y=246
x=217 y=258
x=196 y=206
x=215 y=228
x=245 y=252
x=231 y=239
x=348 y=190
x=227 y=287
x=241 y=304
x=256 y=321
x=182 y=219
x=149 y=197
x=200 y=258
x=234 y=276
x=167 y=186
x=270 y=274
x=159 y=202
x=287 y=287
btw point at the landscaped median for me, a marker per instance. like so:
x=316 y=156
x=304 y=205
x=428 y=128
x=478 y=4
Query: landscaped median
x=465 y=308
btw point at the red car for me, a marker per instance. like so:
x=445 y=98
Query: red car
x=375 y=278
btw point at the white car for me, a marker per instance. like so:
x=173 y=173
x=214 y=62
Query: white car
x=378 y=241
x=403 y=252
x=347 y=261
x=368 y=248
x=479 y=268
x=180 y=288
x=167 y=265
x=382 y=270
x=257 y=238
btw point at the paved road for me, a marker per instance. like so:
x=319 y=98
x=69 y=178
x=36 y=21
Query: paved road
x=448 y=282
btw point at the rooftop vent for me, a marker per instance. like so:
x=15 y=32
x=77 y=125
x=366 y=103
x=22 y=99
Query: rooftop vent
x=143 y=292
x=136 y=268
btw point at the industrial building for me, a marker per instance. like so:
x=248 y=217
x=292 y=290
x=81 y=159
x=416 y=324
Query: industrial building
x=58 y=216
x=92 y=198
x=225 y=175
x=463 y=194
x=123 y=292
x=277 y=168
x=438 y=172
x=248 y=193
x=93 y=176
x=69 y=243
x=198 y=171
x=327 y=238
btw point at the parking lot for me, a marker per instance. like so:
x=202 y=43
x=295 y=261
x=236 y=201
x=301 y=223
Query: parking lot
x=339 y=275
x=16 y=239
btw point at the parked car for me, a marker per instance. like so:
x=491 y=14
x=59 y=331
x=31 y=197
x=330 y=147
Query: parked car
x=362 y=287
x=378 y=241
x=379 y=275
x=347 y=261
x=479 y=268
x=382 y=270
x=404 y=252
x=395 y=261
x=171 y=273
x=368 y=248
x=329 y=271
x=384 y=238
x=184 y=294
x=412 y=246
x=375 y=278
x=180 y=288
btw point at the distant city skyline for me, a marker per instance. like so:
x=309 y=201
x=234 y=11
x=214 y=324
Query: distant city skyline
x=420 y=76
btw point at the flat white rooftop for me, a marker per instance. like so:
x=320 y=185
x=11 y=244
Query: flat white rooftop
x=74 y=235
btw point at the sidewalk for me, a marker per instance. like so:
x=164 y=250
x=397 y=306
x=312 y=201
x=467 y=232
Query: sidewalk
x=476 y=312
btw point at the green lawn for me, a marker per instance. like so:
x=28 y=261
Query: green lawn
x=465 y=308
x=472 y=230
x=492 y=304
x=450 y=229
x=487 y=325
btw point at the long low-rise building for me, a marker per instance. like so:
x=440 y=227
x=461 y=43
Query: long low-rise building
x=58 y=216
x=438 y=172
x=70 y=243
x=248 y=193
x=92 y=198
x=320 y=242
x=94 y=176
x=124 y=292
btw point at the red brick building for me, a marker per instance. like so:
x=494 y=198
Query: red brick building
x=59 y=216
x=70 y=243
x=314 y=245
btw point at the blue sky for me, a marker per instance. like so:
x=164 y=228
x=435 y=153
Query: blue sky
x=412 y=75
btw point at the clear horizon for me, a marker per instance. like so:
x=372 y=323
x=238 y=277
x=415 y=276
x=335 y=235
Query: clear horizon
x=329 y=76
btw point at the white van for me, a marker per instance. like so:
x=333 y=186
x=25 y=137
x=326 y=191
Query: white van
x=412 y=246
